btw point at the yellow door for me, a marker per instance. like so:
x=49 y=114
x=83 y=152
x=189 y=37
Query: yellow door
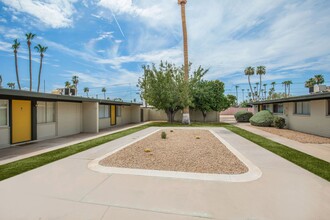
x=113 y=115
x=21 y=121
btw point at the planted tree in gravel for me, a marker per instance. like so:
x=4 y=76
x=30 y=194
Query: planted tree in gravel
x=164 y=87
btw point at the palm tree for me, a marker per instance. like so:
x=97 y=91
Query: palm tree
x=104 y=90
x=319 y=79
x=273 y=85
x=40 y=49
x=29 y=37
x=243 y=94
x=310 y=84
x=0 y=81
x=285 y=87
x=86 y=90
x=261 y=70
x=15 y=46
x=236 y=87
x=182 y=3
x=265 y=88
x=288 y=84
x=75 y=81
x=249 y=71
x=11 y=85
x=256 y=90
x=67 y=84
x=271 y=92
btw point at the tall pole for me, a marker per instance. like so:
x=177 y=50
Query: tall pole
x=182 y=3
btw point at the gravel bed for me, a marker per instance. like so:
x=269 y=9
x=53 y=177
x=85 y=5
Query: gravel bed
x=180 y=151
x=296 y=135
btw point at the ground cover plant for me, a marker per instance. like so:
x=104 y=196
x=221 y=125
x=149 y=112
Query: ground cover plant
x=308 y=162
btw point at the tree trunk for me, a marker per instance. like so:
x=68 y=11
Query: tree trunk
x=16 y=66
x=204 y=116
x=186 y=116
x=260 y=85
x=30 y=64
x=252 y=92
x=170 y=115
x=40 y=68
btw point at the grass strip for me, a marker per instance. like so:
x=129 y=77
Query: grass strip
x=306 y=161
x=17 y=167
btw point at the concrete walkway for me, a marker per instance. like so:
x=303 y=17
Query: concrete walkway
x=30 y=149
x=321 y=151
x=67 y=189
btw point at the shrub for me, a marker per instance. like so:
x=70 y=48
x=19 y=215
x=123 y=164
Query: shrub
x=279 y=122
x=243 y=116
x=263 y=119
x=163 y=135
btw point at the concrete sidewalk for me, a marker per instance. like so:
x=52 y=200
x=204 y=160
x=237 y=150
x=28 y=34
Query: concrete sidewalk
x=321 y=151
x=26 y=150
x=67 y=189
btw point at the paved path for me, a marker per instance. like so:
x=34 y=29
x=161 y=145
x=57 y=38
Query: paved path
x=321 y=151
x=67 y=189
x=30 y=149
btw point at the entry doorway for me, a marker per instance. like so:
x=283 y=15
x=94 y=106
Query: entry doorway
x=113 y=115
x=21 y=121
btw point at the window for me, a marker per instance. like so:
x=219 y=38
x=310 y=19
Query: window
x=104 y=111
x=266 y=107
x=302 y=108
x=45 y=112
x=278 y=108
x=118 y=111
x=3 y=112
x=328 y=106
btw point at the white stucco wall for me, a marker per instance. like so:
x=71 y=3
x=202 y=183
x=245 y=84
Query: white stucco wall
x=46 y=130
x=104 y=123
x=129 y=114
x=69 y=118
x=90 y=117
x=316 y=123
x=4 y=137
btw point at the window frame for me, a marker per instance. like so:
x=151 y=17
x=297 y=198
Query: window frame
x=118 y=111
x=106 y=107
x=302 y=108
x=277 y=112
x=46 y=112
x=7 y=112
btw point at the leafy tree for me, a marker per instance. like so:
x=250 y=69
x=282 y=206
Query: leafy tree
x=40 y=49
x=29 y=37
x=67 y=84
x=249 y=71
x=310 y=84
x=118 y=99
x=86 y=90
x=231 y=101
x=16 y=46
x=164 y=87
x=236 y=87
x=104 y=90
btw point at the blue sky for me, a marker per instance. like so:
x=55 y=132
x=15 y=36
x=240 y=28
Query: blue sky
x=105 y=42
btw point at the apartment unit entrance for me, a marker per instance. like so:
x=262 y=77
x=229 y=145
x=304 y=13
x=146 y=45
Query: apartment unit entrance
x=113 y=115
x=21 y=121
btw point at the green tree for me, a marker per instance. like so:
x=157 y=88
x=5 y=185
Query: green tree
x=236 y=87
x=67 y=84
x=40 y=49
x=249 y=71
x=16 y=46
x=29 y=37
x=319 y=79
x=11 y=85
x=310 y=84
x=261 y=70
x=165 y=88
x=75 y=81
x=104 y=90
x=86 y=90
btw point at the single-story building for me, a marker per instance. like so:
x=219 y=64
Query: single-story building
x=28 y=116
x=307 y=113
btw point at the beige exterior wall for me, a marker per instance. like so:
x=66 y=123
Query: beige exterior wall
x=317 y=122
x=4 y=137
x=104 y=123
x=46 y=130
x=195 y=116
x=69 y=118
x=90 y=119
x=129 y=114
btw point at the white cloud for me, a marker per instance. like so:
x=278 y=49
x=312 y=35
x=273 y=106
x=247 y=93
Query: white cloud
x=54 y=14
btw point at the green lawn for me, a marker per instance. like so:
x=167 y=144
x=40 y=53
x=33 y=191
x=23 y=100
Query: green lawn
x=314 y=165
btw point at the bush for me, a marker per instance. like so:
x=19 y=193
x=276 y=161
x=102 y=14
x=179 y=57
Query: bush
x=243 y=116
x=163 y=135
x=262 y=119
x=279 y=122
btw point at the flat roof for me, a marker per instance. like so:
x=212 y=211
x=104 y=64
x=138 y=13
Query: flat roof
x=315 y=96
x=12 y=93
